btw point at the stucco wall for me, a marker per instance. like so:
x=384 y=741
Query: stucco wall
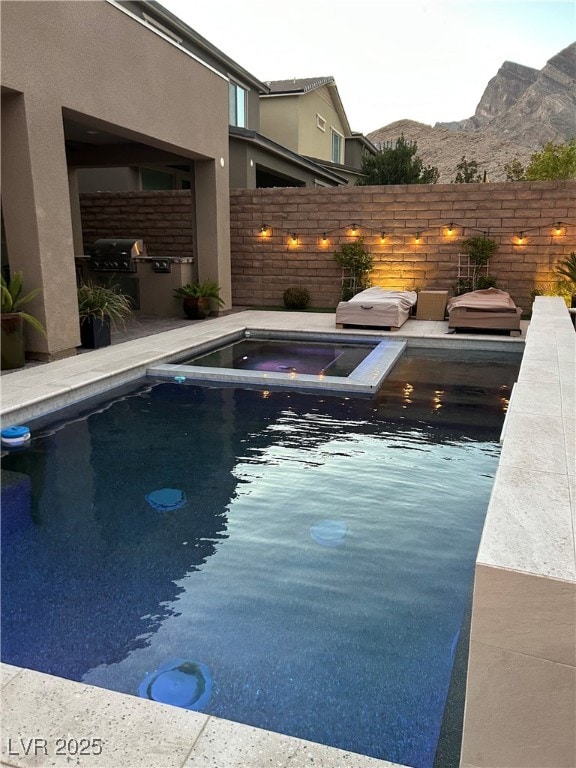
x=312 y=141
x=262 y=267
x=90 y=61
x=279 y=120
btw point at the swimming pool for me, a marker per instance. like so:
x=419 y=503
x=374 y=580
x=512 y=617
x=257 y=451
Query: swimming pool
x=349 y=644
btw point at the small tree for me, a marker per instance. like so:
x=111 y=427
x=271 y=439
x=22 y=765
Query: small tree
x=514 y=171
x=479 y=250
x=397 y=164
x=555 y=161
x=467 y=172
x=354 y=258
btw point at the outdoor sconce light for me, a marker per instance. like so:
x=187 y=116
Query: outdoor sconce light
x=264 y=230
x=294 y=239
x=450 y=228
x=382 y=237
x=417 y=237
x=559 y=228
x=324 y=239
x=521 y=237
x=354 y=229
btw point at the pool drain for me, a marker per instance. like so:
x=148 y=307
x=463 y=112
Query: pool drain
x=166 y=499
x=180 y=682
x=329 y=533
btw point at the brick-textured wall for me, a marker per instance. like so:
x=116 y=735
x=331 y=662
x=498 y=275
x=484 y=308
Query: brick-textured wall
x=163 y=219
x=263 y=266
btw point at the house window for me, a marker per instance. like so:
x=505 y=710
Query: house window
x=320 y=122
x=336 y=146
x=237 y=105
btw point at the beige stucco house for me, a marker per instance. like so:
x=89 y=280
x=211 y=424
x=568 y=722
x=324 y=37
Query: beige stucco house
x=89 y=83
x=120 y=95
x=255 y=160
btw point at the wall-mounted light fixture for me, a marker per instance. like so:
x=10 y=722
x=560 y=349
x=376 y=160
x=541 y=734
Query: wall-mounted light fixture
x=294 y=238
x=354 y=229
x=558 y=228
x=521 y=238
x=417 y=238
x=264 y=230
x=382 y=237
x=324 y=239
x=451 y=228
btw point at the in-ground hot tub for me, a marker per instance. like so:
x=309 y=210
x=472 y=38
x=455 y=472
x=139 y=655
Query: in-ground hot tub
x=340 y=363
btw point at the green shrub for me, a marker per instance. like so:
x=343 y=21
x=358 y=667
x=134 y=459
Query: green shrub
x=296 y=298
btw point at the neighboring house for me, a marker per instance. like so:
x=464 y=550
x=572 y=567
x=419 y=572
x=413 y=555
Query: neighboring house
x=306 y=115
x=255 y=161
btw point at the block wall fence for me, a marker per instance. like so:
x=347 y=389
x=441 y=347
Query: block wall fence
x=163 y=219
x=264 y=265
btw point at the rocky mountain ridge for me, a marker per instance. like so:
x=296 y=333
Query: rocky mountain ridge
x=520 y=111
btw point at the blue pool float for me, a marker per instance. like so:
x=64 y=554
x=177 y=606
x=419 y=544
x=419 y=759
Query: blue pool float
x=180 y=682
x=166 y=499
x=15 y=436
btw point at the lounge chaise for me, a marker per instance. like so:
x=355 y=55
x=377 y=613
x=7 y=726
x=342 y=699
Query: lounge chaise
x=488 y=309
x=376 y=307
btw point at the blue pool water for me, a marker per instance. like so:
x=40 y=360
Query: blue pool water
x=312 y=555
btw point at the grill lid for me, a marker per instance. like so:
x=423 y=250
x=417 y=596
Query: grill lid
x=116 y=254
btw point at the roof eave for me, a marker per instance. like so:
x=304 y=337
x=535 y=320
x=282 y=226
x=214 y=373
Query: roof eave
x=225 y=61
x=245 y=134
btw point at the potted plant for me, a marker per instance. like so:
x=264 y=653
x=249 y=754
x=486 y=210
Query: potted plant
x=101 y=307
x=12 y=321
x=479 y=250
x=197 y=297
x=354 y=258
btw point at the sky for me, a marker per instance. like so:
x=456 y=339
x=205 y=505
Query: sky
x=424 y=60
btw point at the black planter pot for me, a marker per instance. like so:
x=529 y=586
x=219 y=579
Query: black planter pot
x=196 y=308
x=13 y=355
x=95 y=332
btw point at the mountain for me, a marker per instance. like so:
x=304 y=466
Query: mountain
x=520 y=111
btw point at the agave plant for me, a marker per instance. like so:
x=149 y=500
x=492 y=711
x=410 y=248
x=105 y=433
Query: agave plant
x=12 y=299
x=566 y=268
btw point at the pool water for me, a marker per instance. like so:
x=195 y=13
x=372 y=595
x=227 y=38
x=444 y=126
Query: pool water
x=287 y=357
x=314 y=555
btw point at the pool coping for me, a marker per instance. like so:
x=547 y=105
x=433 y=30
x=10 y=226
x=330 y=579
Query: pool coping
x=139 y=732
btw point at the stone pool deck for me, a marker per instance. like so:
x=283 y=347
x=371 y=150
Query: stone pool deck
x=529 y=533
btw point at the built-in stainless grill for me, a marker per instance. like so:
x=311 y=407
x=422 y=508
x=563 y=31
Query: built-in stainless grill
x=110 y=255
